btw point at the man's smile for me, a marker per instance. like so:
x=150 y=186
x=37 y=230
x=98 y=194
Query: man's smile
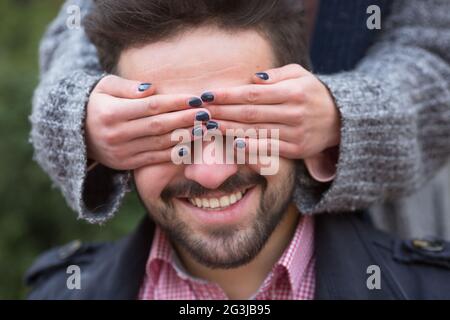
x=220 y=208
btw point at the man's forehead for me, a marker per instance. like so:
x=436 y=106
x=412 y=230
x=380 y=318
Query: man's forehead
x=196 y=78
x=198 y=61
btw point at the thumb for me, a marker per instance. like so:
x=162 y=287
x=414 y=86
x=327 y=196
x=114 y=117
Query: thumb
x=123 y=88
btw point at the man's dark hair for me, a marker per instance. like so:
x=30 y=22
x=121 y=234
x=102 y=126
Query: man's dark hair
x=116 y=25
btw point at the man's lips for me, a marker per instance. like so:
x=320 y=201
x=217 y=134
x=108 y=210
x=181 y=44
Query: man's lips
x=218 y=200
x=215 y=210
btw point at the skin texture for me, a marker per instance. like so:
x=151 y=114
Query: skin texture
x=233 y=247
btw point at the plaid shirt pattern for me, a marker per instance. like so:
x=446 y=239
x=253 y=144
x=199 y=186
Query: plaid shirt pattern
x=291 y=278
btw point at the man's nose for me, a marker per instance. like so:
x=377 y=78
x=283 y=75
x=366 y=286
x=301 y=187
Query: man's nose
x=211 y=172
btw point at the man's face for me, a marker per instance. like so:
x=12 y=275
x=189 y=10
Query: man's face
x=232 y=234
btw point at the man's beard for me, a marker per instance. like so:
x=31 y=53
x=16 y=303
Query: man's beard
x=226 y=247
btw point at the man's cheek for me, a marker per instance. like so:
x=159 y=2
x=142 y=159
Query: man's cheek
x=151 y=180
x=266 y=165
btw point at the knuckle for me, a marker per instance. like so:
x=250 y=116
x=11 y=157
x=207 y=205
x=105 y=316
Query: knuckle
x=152 y=106
x=252 y=95
x=111 y=137
x=298 y=115
x=155 y=125
x=216 y=112
x=118 y=158
x=222 y=96
x=107 y=116
x=299 y=133
x=249 y=114
x=150 y=157
x=119 y=154
x=297 y=95
x=158 y=143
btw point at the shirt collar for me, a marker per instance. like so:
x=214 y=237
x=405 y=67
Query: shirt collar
x=299 y=253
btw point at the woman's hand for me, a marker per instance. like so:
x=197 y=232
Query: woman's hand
x=127 y=126
x=290 y=99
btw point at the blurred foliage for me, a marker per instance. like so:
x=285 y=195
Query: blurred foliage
x=33 y=215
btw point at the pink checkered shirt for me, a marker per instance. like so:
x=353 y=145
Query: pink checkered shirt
x=291 y=278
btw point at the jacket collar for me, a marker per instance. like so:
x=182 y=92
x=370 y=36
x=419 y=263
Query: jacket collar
x=121 y=270
x=343 y=252
x=344 y=248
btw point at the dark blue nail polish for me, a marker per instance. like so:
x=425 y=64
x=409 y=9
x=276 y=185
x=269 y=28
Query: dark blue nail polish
x=195 y=102
x=144 y=87
x=240 y=144
x=182 y=152
x=208 y=97
x=197 y=132
x=212 y=125
x=262 y=75
x=202 y=116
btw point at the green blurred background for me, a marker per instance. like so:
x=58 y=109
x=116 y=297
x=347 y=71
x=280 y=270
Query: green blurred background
x=33 y=215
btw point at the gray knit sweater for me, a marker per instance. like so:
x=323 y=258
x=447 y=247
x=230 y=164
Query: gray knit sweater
x=395 y=109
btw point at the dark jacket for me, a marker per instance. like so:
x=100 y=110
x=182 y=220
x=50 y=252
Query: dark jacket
x=345 y=246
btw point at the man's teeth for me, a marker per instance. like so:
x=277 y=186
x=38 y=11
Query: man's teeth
x=217 y=203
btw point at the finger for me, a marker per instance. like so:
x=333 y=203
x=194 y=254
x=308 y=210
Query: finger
x=255 y=113
x=123 y=88
x=153 y=143
x=149 y=158
x=267 y=147
x=275 y=75
x=154 y=105
x=161 y=124
x=251 y=94
x=258 y=130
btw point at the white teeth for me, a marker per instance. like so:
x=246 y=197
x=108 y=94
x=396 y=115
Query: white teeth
x=225 y=201
x=215 y=203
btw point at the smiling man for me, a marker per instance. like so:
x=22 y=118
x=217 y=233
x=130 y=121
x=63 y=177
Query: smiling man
x=215 y=230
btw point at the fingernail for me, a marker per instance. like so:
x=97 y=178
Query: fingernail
x=208 y=97
x=212 y=125
x=197 y=131
x=182 y=152
x=202 y=116
x=144 y=87
x=195 y=102
x=262 y=75
x=240 y=144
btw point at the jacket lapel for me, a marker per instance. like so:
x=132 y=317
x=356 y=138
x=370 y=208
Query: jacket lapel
x=344 y=251
x=120 y=274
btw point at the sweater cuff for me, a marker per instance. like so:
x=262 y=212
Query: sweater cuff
x=368 y=126
x=58 y=137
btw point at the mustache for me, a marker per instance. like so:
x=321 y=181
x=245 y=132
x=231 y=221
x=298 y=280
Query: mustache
x=192 y=189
